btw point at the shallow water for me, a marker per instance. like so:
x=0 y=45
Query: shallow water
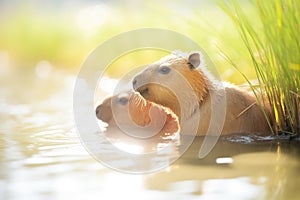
x=41 y=156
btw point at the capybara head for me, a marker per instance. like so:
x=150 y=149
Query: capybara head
x=162 y=79
x=131 y=109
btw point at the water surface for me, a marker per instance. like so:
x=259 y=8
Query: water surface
x=41 y=156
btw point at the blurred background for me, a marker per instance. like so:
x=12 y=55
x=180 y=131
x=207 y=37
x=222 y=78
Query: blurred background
x=43 y=45
x=61 y=34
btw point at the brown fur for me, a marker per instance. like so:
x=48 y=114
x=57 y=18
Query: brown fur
x=243 y=114
x=141 y=113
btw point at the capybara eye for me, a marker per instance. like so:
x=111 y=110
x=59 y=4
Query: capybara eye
x=164 y=70
x=123 y=100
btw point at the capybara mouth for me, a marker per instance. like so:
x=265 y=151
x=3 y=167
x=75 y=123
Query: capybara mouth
x=143 y=91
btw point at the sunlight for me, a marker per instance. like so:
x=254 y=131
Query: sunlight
x=91 y=18
x=225 y=160
x=129 y=148
x=107 y=84
x=234 y=188
x=118 y=186
x=43 y=69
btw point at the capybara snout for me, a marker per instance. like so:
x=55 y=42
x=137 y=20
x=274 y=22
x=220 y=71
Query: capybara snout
x=104 y=112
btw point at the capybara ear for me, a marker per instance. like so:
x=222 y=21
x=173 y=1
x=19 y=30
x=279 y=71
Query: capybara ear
x=194 y=60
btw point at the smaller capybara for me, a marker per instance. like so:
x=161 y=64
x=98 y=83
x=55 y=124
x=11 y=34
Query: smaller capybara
x=159 y=82
x=131 y=113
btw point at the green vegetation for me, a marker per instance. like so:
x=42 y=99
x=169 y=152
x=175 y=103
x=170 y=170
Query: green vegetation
x=273 y=43
x=64 y=37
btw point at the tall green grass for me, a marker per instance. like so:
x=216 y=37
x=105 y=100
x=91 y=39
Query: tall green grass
x=273 y=43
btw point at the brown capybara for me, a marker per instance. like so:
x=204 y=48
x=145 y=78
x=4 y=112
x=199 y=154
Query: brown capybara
x=216 y=103
x=131 y=113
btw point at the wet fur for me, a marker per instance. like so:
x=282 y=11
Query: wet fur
x=243 y=114
x=142 y=113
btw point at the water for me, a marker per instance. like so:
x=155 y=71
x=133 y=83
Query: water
x=41 y=156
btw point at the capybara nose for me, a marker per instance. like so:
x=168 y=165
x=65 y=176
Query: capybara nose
x=98 y=109
x=103 y=113
x=134 y=83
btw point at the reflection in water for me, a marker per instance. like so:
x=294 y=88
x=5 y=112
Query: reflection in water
x=41 y=156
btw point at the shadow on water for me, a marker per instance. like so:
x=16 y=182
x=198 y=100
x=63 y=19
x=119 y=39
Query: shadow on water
x=238 y=167
x=41 y=156
x=234 y=145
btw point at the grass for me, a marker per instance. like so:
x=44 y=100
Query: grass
x=273 y=44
